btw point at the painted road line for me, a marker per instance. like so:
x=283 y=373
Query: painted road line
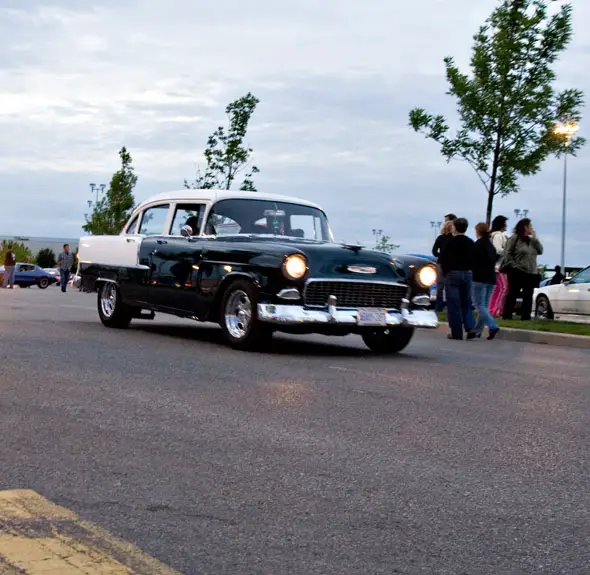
x=38 y=537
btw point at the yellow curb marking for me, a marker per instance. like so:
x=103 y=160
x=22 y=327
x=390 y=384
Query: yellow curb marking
x=38 y=537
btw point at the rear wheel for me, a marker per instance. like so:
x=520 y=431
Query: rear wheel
x=43 y=283
x=111 y=309
x=543 y=308
x=388 y=341
x=239 y=317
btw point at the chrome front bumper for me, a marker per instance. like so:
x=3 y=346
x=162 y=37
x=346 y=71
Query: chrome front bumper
x=298 y=315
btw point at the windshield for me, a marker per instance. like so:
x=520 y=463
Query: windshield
x=266 y=217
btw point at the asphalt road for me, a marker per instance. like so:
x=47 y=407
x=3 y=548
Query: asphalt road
x=313 y=458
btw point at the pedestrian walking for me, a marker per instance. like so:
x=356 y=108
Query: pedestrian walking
x=65 y=261
x=484 y=280
x=9 y=268
x=499 y=239
x=456 y=260
x=446 y=233
x=520 y=264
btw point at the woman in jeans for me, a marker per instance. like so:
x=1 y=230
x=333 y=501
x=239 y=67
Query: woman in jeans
x=446 y=233
x=520 y=264
x=456 y=260
x=484 y=280
x=498 y=238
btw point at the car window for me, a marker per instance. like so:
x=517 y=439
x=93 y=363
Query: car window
x=267 y=217
x=153 y=220
x=307 y=226
x=27 y=268
x=224 y=226
x=582 y=278
x=132 y=227
x=187 y=215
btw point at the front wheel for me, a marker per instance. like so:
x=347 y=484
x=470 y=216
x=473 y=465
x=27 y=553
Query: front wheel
x=43 y=283
x=239 y=317
x=111 y=309
x=543 y=308
x=388 y=341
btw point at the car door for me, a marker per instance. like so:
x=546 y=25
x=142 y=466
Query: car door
x=174 y=279
x=24 y=274
x=151 y=223
x=577 y=294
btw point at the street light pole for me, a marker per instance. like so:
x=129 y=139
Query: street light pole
x=567 y=131
x=563 y=212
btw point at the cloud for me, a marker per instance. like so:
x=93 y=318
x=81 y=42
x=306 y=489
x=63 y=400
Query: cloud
x=336 y=80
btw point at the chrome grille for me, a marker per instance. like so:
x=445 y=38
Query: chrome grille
x=354 y=294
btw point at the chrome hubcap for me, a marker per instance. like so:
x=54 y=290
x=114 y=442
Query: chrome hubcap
x=238 y=314
x=108 y=299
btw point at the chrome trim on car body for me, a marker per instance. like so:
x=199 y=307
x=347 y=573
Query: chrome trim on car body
x=299 y=315
x=355 y=281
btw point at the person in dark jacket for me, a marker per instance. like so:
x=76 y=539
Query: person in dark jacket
x=456 y=261
x=446 y=233
x=484 y=280
x=557 y=278
x=9 y=268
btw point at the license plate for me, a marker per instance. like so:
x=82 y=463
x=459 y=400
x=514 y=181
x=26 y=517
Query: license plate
x=372 y=316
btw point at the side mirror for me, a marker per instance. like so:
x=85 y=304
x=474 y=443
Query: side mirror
x=186 y=231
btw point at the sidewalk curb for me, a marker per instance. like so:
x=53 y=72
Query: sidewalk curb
x=539 y=337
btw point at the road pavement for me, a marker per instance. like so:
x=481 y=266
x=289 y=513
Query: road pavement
x=312 y=458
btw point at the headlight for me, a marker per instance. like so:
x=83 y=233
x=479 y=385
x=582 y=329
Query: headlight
x=426 y=276
x=295 y=266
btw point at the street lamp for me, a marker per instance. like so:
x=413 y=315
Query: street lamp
x=435 y=227
x=520 y=213
x=566 y=131
x=96 y=190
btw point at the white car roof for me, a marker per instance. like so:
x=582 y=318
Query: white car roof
x=216 y=195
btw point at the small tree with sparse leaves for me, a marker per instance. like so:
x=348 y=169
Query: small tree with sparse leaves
x=112 y=211
x=226 y=155
x=384 y=244
x=508 y=106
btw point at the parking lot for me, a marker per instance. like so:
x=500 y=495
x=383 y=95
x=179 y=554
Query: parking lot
x=314 y=457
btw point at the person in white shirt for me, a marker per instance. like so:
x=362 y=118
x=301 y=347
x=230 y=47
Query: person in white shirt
x=499 y=239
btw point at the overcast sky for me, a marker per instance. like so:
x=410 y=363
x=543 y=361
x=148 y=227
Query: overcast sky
x=336 y=79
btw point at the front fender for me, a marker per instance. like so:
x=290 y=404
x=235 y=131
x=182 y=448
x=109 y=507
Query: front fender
x=255 y=277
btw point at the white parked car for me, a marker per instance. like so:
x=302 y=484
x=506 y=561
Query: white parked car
x=569 y=300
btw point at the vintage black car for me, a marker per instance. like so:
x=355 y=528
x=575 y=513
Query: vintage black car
x=254 y=263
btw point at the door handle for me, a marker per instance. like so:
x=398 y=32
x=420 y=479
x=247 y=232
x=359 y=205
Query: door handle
x=131 y=241
x=162 y=242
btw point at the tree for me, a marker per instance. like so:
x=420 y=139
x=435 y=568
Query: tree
x=45 y=258
x=112 y=211
x=226 y=155
x=508 y=107
x=21 y=251
x=384 y=244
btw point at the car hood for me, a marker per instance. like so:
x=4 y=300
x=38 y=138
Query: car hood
x=328 y=259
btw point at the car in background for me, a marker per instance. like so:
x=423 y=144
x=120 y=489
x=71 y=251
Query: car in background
x=27 y=275
x=569 y=300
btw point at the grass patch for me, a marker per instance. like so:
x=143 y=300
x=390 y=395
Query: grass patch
x=550 y=326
